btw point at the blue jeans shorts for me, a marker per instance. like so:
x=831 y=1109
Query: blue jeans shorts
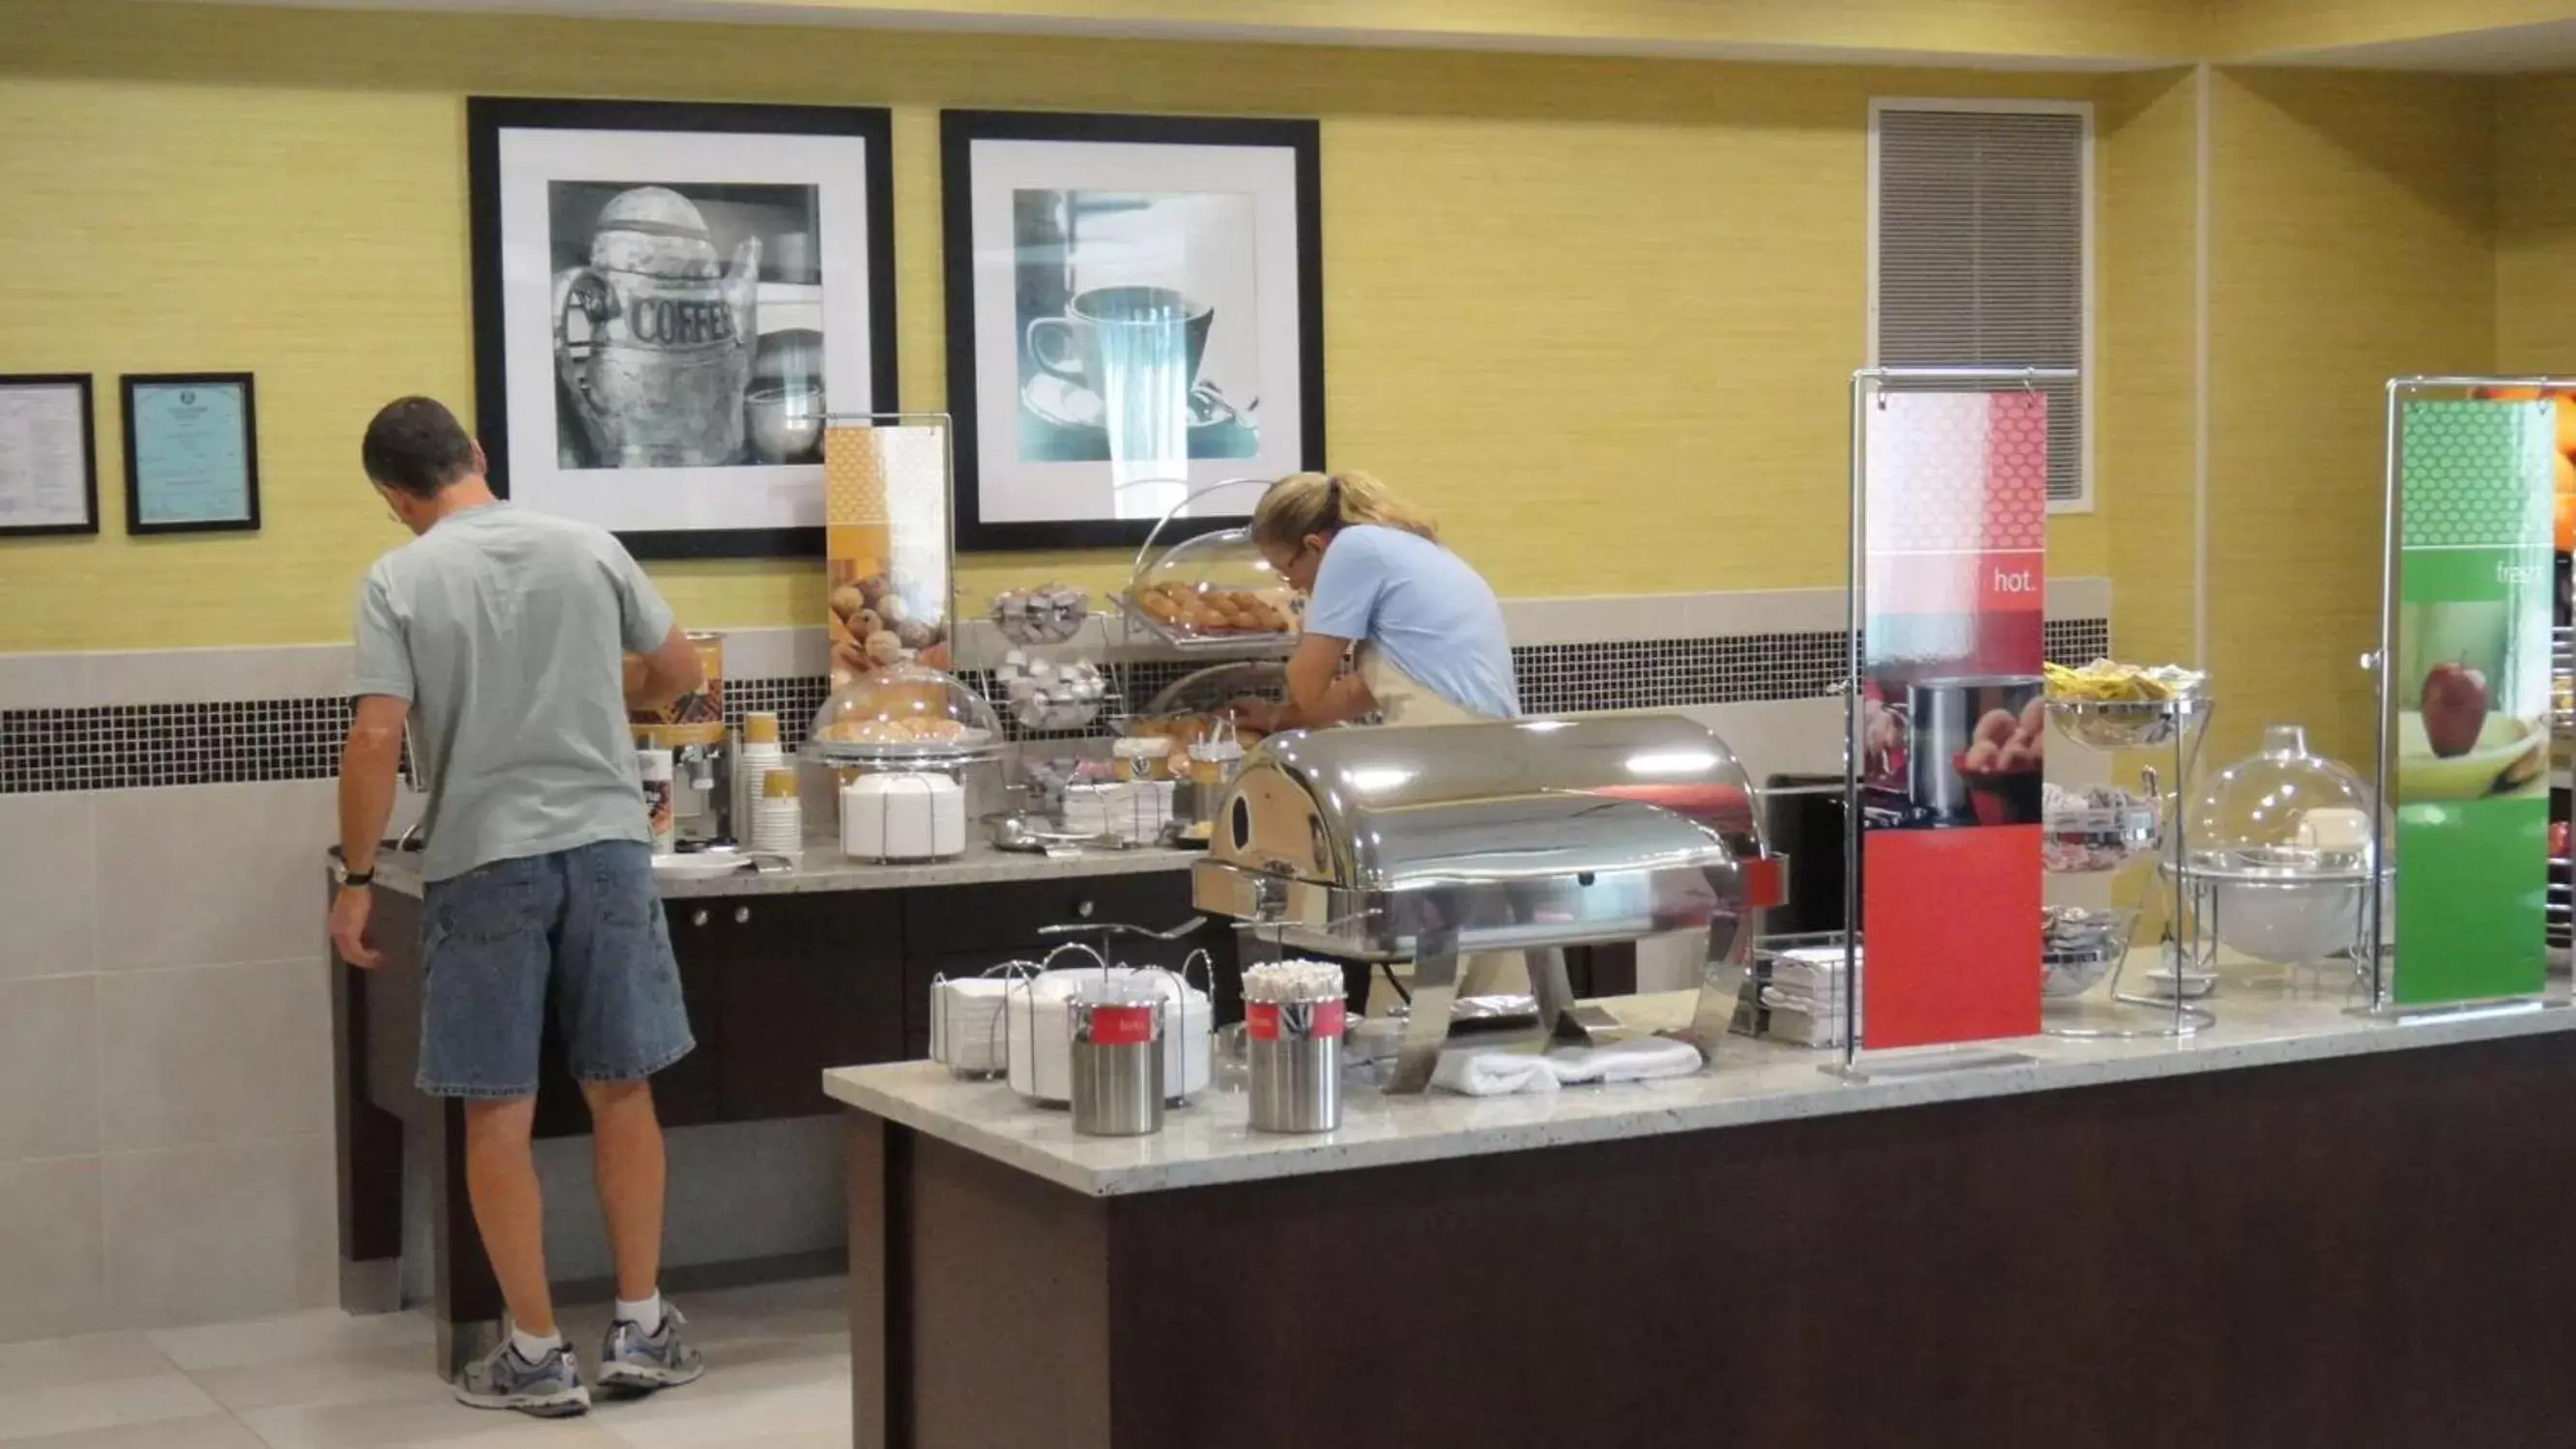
x=580 y=930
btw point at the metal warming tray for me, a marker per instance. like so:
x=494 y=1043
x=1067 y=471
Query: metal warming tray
x=1428 y=842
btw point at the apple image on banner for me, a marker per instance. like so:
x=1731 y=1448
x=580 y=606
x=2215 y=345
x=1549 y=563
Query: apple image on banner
x=2454 y=704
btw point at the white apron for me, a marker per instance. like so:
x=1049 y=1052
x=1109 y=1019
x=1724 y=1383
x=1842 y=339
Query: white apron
x=1403 y=699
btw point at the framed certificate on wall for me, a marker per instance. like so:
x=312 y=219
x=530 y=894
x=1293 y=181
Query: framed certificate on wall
x=48 y=456
x=191 y=453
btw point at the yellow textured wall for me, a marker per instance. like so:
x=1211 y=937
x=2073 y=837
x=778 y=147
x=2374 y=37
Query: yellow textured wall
x=2252 y=30
x=1597 y=314
x=2146 y=336
x=2535 y=225
x=2354 y=230
x=2093 y=29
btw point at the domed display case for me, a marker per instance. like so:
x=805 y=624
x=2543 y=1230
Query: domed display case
x=905 y=717
x=1212 y=590
x=2284 y=844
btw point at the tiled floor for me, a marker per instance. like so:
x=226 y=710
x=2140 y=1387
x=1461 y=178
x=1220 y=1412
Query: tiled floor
x=778 y=1376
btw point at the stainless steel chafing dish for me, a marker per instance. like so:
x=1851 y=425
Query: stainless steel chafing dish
x=1429 y=842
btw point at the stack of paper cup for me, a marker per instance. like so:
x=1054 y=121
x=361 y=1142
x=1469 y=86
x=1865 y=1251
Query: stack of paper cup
x=754 y=758
x=655 y=767
x=778 y=816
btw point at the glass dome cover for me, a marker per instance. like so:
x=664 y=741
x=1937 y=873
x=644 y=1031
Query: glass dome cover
x=2285 y=809
x=908 y=713
x=1215 y=587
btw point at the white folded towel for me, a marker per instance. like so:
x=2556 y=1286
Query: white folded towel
x=1642 y=1059
x=1493 y=1073
x=1497 y=1073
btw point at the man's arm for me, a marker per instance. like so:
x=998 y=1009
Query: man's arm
x=669 y=671
x=370 y=765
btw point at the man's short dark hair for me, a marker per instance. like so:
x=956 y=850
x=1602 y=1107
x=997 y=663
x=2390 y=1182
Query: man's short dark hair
x=417 y=445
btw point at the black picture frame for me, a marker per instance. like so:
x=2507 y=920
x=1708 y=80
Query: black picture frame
x=134 y=484
x=958 y=131
x=488 y=117
x=83 y=382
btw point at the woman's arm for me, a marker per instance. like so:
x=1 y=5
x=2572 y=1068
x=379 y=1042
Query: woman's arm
x=1318 y=692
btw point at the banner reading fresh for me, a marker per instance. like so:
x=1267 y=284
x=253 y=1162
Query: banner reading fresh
x=2471 y=746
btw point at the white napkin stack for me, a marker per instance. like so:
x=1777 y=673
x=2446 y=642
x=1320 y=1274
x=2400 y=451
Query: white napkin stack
x=1805 y=995
x=1128 y=810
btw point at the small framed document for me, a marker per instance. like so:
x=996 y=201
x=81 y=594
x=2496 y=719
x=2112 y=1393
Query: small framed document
x=191 y=453
x=48 y=455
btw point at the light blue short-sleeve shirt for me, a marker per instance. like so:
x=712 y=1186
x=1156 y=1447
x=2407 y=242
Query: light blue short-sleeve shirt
x=506 y=631
x=1436 y=618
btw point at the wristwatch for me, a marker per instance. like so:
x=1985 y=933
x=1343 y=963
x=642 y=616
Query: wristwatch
x=346 y=877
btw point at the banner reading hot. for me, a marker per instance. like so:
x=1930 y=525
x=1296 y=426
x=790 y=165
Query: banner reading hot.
x=1956 y=549
x=2472 y=691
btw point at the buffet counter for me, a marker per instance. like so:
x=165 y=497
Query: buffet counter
x=824 y=868
x=2214 y=1240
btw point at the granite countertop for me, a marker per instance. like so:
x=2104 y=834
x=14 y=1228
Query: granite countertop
x=824 y=868
x=1209 y=1143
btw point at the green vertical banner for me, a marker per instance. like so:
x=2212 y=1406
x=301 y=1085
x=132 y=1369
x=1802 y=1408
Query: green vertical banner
x=2472 y=685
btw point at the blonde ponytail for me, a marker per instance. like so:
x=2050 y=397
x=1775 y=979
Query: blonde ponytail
x=1310 y=503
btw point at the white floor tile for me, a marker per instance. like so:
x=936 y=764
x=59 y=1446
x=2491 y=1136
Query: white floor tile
x=108 y=1403
x=687 y=1419
x=322 y=1334
x=52 y=1363
x=442 y=1422
x=220 y=1432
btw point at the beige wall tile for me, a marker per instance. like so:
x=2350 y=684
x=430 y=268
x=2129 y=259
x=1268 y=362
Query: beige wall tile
x=199 y=1234
x=45 y=890
x=53 y=1264
x=212 y=874
x=207 y=1054
x=49 y=1067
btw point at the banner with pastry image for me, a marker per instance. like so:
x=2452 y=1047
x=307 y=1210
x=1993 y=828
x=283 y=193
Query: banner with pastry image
x=887 y=567
x=1956 y=496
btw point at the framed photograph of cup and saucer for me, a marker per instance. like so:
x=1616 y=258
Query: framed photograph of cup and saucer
x=669 y=300
x=1135 y=314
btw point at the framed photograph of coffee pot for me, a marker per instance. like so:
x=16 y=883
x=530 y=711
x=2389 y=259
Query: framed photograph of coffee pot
x=1135 y=314
x=669 y=299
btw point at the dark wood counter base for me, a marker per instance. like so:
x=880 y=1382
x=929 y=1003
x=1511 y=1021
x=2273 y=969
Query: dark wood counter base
x=2365 y=1251
x=779 y=988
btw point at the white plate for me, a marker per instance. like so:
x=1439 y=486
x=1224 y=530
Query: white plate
x=700 y=865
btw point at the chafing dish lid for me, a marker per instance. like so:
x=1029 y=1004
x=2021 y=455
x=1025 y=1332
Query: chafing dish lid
x=1381 y=808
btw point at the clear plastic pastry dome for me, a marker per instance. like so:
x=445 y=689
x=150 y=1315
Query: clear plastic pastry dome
x=906 y=714
x=2286 y=807
x=1216 y=586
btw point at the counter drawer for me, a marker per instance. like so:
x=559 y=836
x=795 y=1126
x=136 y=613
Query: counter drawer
x=948 y=919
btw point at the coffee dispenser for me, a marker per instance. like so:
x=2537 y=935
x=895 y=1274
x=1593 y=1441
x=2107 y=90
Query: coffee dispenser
x=692 y=728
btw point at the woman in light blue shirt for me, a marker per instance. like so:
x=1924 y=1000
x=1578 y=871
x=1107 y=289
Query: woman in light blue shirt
x=1427 y=630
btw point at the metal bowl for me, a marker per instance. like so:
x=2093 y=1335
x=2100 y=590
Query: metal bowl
x=2099 y=838
x=2079 y=947
x=2126 y=724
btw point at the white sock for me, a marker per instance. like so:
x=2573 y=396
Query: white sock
x=646 y=1316
x=532 y=1347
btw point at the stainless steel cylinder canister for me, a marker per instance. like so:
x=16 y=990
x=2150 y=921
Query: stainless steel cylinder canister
x=1296 y=1051
x=1117 y=1060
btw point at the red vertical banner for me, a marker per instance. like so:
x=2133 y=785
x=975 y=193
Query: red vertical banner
x=1956 y=551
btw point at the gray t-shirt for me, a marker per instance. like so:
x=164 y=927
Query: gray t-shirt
x=506 y=631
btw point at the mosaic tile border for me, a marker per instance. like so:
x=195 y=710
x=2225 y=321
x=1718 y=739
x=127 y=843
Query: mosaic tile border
x=128 y=747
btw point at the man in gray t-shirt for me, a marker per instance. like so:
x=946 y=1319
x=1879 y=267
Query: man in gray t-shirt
x=500 y=635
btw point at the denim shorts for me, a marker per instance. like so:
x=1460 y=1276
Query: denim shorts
x=580 y=929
